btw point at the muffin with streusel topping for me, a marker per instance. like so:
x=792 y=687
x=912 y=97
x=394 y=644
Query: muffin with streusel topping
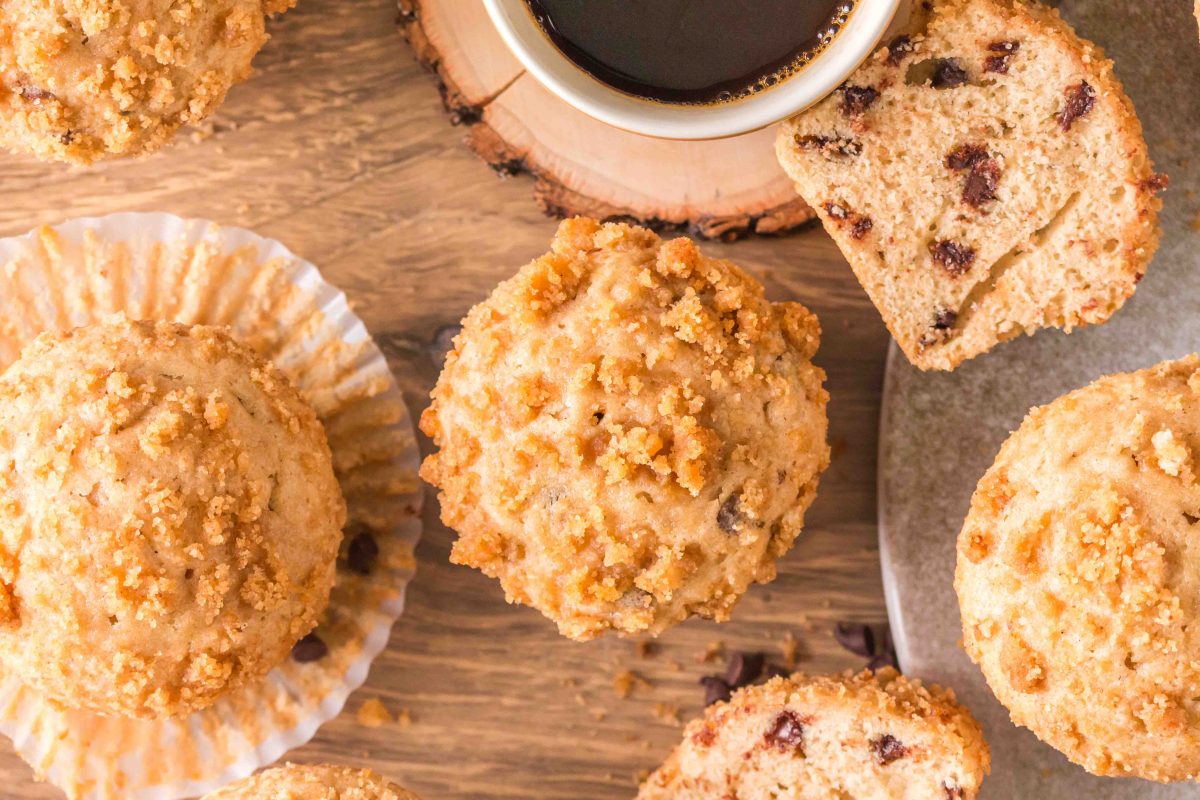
x=629 y=432
x=324 y=782
x=85 y=80
x=169 y=517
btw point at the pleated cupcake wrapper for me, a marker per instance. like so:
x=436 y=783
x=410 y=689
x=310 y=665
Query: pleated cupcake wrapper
x=157 y=266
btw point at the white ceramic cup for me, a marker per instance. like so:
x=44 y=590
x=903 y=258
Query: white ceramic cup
x=862 y=32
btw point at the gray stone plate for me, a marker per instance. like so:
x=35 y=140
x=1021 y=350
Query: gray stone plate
x=940 y=432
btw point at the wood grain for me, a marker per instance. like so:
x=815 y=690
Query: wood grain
x=724 y=188
x=339 y=147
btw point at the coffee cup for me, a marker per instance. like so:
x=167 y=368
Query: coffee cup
x=845 y=44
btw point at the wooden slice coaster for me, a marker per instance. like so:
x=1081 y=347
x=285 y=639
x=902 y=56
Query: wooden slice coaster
x=723 y=188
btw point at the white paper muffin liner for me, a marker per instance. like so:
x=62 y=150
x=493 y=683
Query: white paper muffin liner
x=157 y=266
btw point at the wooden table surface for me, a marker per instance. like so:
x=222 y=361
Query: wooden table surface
x=339 y=148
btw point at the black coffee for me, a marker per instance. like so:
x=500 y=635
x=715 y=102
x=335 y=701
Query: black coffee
x=691 y=51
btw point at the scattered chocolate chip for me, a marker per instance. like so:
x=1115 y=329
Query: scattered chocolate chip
x=887 y=748
x=855 y=637
x=966 y=156
x=830 y=147
x=188 y=574
x=34 y=94
x=898 y=48
x=1000 y=63
x=744 y=668
x=716 y=690
x=1155 y=183
x=362 y=553
x=787 y=732
x=979 y=189
x=310 y=648
x=861 y=227
x=729 y=516
x=67 y=137
x=883 y=660
x=955 y=258
x=775 y=671
x=857 y=99
x=1080 y=100
x=948 y=73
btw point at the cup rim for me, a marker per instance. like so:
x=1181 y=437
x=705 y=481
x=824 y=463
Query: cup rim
x=853 y=45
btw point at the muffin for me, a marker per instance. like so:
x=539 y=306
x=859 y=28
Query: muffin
x=325 y=782
x=629 y=432
x=1078 y=578
x=985 y=177
x=84 y=80
x=859 y=737
x=167 y=506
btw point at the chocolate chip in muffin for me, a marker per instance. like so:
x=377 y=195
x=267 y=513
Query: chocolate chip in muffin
x=955 y=258
x=831 y=147
x=857 y=99
x=999 y=63
x=887 y=748
x=898 y=49
x=33 y=94
x=729 y=516
x=787 y=732
x=1081 y=98
x=861 y=227
x=979 y=189
x=310 y=648
x=948 y=73
x=965 y=156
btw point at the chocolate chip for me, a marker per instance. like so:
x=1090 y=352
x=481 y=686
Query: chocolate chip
x=855 y=637
x=948 y=73
x=1192 y=519
x=362 y=553
x=1155 y=183
x=887 y=748
x=884 y=660
x=775 y=671
x=980 y=186
x=729 y=516
x=857 y=99
x=944 y=319
x=861 y=227
x=830 y=147
x=955 y=258
x=310 y=648
x=1000 y=63
x=716 y=690
x=34 y=94
x=898 y=48
x=966 y=156
x=787 y=732
x=67 y=137
x=1080 y=100
x=744 y=668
